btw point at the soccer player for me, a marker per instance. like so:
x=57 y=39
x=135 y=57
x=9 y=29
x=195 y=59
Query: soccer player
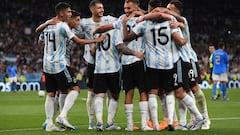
x=88 y=25
x=12 y=74
x=220 y=70
x=106 y=75
x=58 y=74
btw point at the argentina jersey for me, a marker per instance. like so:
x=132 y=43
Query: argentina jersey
x=55 y=38
x=89 y=26
x=107 y=56
x=160 y=52
x=136 y=44
x=186 y=35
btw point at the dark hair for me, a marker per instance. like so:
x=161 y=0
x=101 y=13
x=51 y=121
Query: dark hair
x=221 y=45
x=75 y=13
x=155 y=3
x=94 y=2
x=178 y=4
x=133 y=1
x=61 y=6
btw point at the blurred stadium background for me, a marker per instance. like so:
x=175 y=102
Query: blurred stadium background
x=210 y=21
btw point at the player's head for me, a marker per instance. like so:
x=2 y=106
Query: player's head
x=221 y=45
x=96 y=8
x=175 y=6
x=153 y=4
x=211 y=48
x=75 y=19
x=63 y=11
x=130 y=6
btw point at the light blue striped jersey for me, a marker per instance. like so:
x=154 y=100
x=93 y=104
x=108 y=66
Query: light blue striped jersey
x=161 y=52
x=55 y=38
x=136 y=44
x=107 y=56
x=89 y=26
x=186 y=35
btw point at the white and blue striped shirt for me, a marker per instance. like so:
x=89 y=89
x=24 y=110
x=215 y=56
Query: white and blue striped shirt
x=107 y=56
x=136 y=44
x=161 y=52
x=89 y=26
x=55 y=38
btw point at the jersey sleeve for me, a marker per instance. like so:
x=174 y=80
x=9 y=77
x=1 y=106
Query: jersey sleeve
x=117 y=24
x=117 y=37
x=140 y=28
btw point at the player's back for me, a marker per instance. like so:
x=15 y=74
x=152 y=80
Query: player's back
x=220 y=61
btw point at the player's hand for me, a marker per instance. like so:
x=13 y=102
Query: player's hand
x=101 y=38
x=139 y=55
x=140 y=19
x=174 y=24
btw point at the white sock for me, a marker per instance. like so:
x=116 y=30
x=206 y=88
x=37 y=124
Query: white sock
x=153 y=107
x=129 y=114
x=170 y=102
x=90 y=106
x=188 y=102
x=182 y=110
x=112 y=109
x=201 y=100
x=56 y=105
x=61 y=101
x=99 y=108
x=49 y=109
x=194 y=101
x=143 y=106
x=69 y=101
x=164 y=106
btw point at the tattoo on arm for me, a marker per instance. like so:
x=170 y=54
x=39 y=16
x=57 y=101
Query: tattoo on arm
x=125 y=50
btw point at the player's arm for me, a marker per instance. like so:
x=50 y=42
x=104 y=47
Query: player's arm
x=88 y=41
x=175 y=24
x=125 y=50
x=178 y=39
x=167 y=11
x=103 y=28
x=128 y=36
x=41 y=27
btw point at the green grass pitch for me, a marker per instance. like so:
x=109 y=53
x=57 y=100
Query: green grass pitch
x=22 y=113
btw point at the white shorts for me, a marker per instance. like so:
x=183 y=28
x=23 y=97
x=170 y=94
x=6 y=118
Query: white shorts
x=12 y=79
x=220 y=77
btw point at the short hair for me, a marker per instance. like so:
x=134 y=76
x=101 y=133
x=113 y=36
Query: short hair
x=137 y=2
x=178 y=4
x=221 y=45
x=155 y=3
x=61 y=6
x=94 y=2
x=75 y=13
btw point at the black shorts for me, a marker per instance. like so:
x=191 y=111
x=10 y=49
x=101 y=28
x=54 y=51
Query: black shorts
x=159 y=79
x=62 y=81
x=90 y=75
x=107 y=81
x=181 y=74
x=133 y=75
x=194 y=74
x=211 y=70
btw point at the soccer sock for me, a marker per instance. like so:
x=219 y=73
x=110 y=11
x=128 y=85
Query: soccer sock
x=61 y=101
x=49 y=109
x=90 y=106
x=201 y=100
x=164 y=106
x=99 y=108
x=112 y=109
x=224 y=90
x=214 y=90
x=190 y=93
x=129 y=111
x=153 y=107
x=69 y=101
x=182 y=110
x=188 y=102
x=143 y=106
x=170 y=101
x=56 y=105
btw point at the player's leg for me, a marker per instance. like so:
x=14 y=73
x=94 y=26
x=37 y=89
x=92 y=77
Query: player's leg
x=224 y=80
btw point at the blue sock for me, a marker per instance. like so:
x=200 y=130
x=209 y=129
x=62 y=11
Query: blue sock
x=224 y=90
x=214 y=90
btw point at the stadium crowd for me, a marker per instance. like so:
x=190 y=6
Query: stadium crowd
x=209 y=24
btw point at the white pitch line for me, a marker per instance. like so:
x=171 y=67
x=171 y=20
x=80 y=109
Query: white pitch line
x=35 y=129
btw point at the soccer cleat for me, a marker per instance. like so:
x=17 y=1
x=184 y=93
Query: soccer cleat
x=129 y=128
x=64 y=122
x=52 y=128
x=135 y=127
x=91 y=126
x=206 y=125
x=150 y=123
x=171 y=127
x=190 y=124
x=112 y=127
x=147 y=128
x=198 y=124
x=175 y=123
x=44 y=125
x=225 y=99
x=163 y=125
x=99 y=126
x=181 y=127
